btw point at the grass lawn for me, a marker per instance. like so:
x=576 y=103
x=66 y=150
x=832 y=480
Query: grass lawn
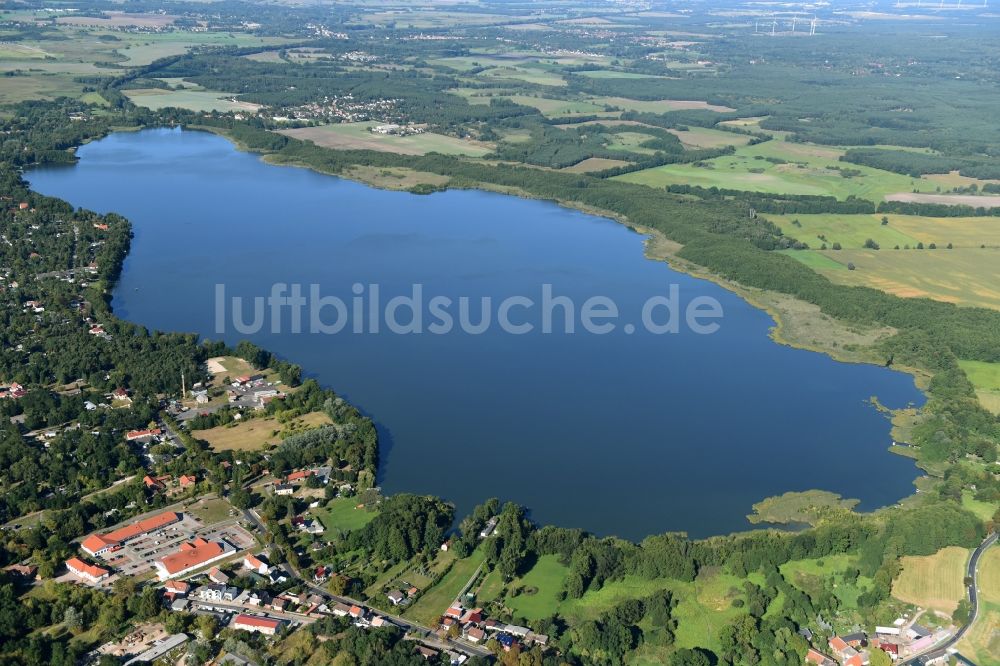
x=933 y=581
x=982 y=641
x=986 y=378
x=964 y=276
x=815 y=260
x=346 y=136
x=491 y=587
x=210 y=511
x=340 y=516
x=541 y=589
x=194 y=100
x=254 y=434
x=795 y=168
x=535 y=75
x=435 y=601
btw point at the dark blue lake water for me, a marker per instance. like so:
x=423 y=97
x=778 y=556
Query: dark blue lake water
x=626 y=434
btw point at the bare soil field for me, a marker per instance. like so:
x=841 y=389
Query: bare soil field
x=974 y=200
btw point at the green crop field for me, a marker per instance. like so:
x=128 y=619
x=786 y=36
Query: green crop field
x=780 y=167
x=144 y=49
x=658 y=105
x=704 y=137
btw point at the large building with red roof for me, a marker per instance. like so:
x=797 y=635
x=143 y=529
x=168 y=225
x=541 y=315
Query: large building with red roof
x=98 y=545
x=264 y=625
x=190 y=556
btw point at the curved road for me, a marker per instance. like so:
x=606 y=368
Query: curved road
x=971 y=573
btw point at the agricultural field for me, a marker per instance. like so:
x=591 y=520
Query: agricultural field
x=780 y=167
x=255 y=434
x=535 y=75
x=556 y=107
x=851 y=231
x=969 y=276
x=986 y=378
x=982 y=641
x=705 y=137
x=342 y=515
x=933 y=581
x=346 y=136
x=594 y=164
x=659 y=105
x=195 y=100
x=144 y=49
x=435 y=601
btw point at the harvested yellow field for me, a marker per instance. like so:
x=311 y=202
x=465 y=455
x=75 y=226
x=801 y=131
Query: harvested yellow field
x=964 y=276
x=982 y=641
x=256 y=434
x=933 y=581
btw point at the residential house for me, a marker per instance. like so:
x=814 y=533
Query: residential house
x=255 y=564
x=395 y=597
x=217 y=575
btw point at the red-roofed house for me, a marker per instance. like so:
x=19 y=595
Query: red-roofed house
x=299 y=475
x=89 y=572
x=152 y=484
x=177 y=587
x=263 y=625
x=454 y=611
x=255 y=564
x=187 y=481
x=818 y=658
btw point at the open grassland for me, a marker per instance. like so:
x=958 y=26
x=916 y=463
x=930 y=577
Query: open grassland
x=933 y=581
x=342 y=515
x=780 y=167
x=194 y=100
x=435 y=601
x=983 y=510
x=395 y=178
x=814 y=575
x=969 y=277
x=254 y=434
x=347 y=136
x=210 y=511
x=986 y=378
x=535 y=594
x=631 y=142
x=982 y=641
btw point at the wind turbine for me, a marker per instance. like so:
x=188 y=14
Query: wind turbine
x=812 y=26
x=774 y=25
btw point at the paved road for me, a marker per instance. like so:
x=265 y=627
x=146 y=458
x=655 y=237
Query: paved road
x=425 y=634
x=972 y=573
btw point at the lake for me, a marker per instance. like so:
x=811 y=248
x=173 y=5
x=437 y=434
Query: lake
x=618 y=433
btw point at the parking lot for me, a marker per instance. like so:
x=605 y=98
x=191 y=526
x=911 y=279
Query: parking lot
x=137 y=556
